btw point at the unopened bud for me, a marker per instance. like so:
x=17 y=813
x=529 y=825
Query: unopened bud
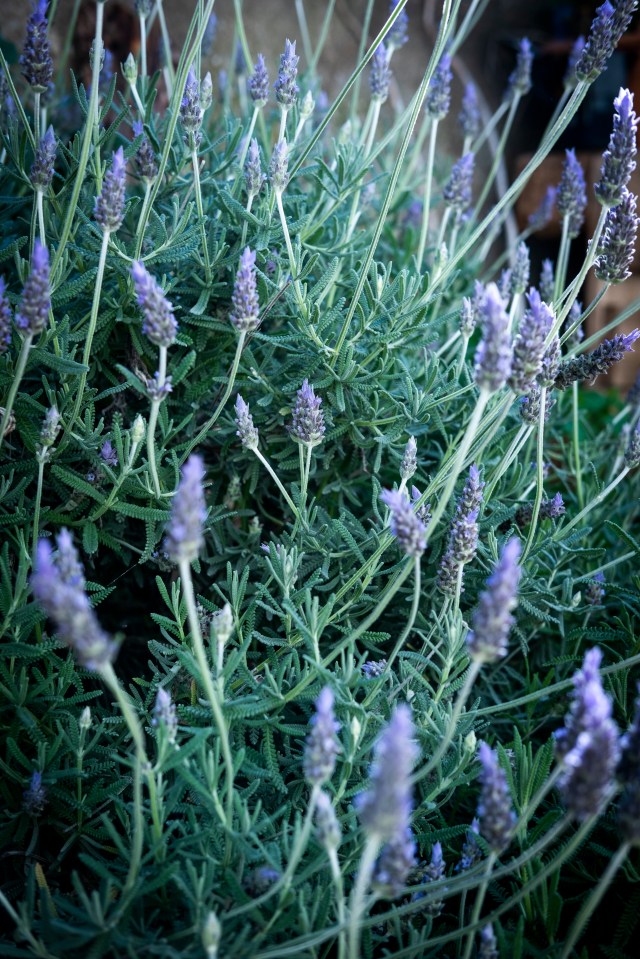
x=223 y=625
x=85 y=719
x=138 y=430
x=130 y=70
x=211 y=932
x=206 y=92
x=308 y=105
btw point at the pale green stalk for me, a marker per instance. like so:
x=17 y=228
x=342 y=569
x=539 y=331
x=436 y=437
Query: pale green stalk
x=477 y=906
x=497 y=160
x=245 y=146
x=142 y=219
x=36 y=509
x=15 y=383
x=324 y=32
x=153 y=419
x=357 y=904
x=563 y=258
x=540 y=477
x=592 y=505
x=373 y=124
x=143 y=46
x=283 y=123
x=68 y=40
x=336 y=876
x=265 y=462
x=576 y=443
x=292 y=260
x=40 y=210
x=203 y=231
x=590 y=340
x=574 y=288
x=304 y=31
x=362 y=46
x=426 y=191
x=593 y=900
x=168 y=71
x=516 y=445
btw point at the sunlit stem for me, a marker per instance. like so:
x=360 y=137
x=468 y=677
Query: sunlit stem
x=153 y=419
x=575 y=399
x=265 y=462
x=477 y=906
x=40 y=209
x=426 y=192
x=292 y=260
x=169 y=76
x=540 y=476
x=358 y=896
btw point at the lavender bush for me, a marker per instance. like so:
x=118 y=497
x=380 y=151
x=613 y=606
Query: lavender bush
x=317 y=588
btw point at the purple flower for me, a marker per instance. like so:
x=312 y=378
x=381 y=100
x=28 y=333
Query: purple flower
x=33 y=313
x=589 y=365
x=459 y=188
x=519 y=82
x=433 y=872
x=398 y=35
x=549 y=509
x=253 y=176
x=145 y=158
x=588 y=744
x=469 y=119
x=438 y=98
x=461 y=549
x=544 y=213
x=493 y=356
x=36 y=62
x=495 y=811
x=380 y=75
x=521 y=269
x=245 y=312
x=58 y=586
x=530 y=405
x=244 y=421
x=529 y=344
x=632 y=452
x=328 y=832
x=185 y=536
x=374 y=668
x=35 y=797
x=285 y=86
x=278 y=168
x=385 y=808
x=409 y=463
x=397 y=859
x=307 y=424
x=259 y=83
x=550 y=364
x=488 y=947
x=191 y=111
x=570 y=78
x=594 y=591
x=108 y=454
x=422 y=512
x=109 y=207
x=616 y=248
x=547 y=281
x=471 y=852
x=407 y=528
x=322 y=745
x=164 y=714
x=618 y=161
x=160 y=324
x=492 y=620
x=571 y=198
x=5 y=318
x=42 y=168
x=606 y=29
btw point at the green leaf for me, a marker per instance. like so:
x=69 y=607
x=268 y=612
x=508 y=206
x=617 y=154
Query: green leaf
x=90 y=538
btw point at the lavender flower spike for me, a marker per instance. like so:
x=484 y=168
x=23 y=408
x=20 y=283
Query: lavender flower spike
x=385 y=808
x=407 y=528
x=458 y=191
x=616 y=249
x=35 y=797
x=322 y=745
x=398 y=35
x=380 y=76
x=191 y=111
x=529 y=345
x=587 y=366
x=308 y=419
x=438 y=99
x=244 y=421
x=188 y=512
x=397 y=859
x=36 y=62
x=245 y=313
x=469 y=119
x=409 y=463
x=259 y=83
x=278 y=168
x=5 y=318
x=571 y=198
x=488 y=946
x=493 y=356
x=632 y=452
x=42 y=168
x=495 y=810
x=285 y=86
x=492 y=620
x=159 y=322
x=253 y=176
x=519 y=82
x=164 y=715
x=521 y=269
x=109 y=208
x=33 y=313
x=618 y=161
x=608 y=26
x=63 y=599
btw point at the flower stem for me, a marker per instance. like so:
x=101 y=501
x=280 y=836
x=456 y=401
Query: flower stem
x=292 y=261
x=594 y=502
x=153 y=419
x=591 y=902
x=540 y=477
x=426 y=192
x=15 y=383
x=169 y=76
x=477 y=906
x=357 y=904
x=36 y=509
x=576 y=444
x=265 y=462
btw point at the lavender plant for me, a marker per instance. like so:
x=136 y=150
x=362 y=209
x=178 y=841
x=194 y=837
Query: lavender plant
x=312 y=532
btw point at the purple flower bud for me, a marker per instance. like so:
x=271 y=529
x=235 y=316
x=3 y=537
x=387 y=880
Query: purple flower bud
x=492 y=620
x=49 y=430
x=459 y=189
x=529 y=344
x=530 y=405
x=547 y=281
x=570 y=78
x=469 y=119
x=519 y=82
x=253 y=176
x=461 y=549
x=495 y=810
x=145 y=158
x=422 y=512
x=407 y=528
x=628 y=775
x=588 y=366
x=380 y=75
x=438 y=98
x=521 y=269
x=571 y=198
x=108 y=454
x=550 y=364
x=278 y=168
x=35 y=797
x=549 y=509
x=385 y=808
x=244 y=421
x=433 y=872
x=42 y=168
x=328 y=832
x=259 y=83
x=245 y=313
x=617 y=245
x=5 y=318
x=322 y=745
x=33 y=313
x=164 y=715
x=109 y=207
x=504 y=285
x=374 y=668
x=191 y=111
x=544 y=213
x=36 y=62
x=608 y=26
x=594 y=591
x=632 y=452
x=58 y=587
x=618 y=161
x=185 y=536
x=398 y=35
x=159 y=322
x=397 y=859
x=493 y=356
x=409 y=463
x=471 y=852
x=488 y=947
x=588 y=744
x=471 y=496
x=285 y=86
x=467 y=317
x=307 y=424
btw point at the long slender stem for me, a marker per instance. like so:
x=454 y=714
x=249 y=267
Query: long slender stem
x=336 y=875
x=143 y=46
x=36 y=508
x=304 y=30
x=426 y=192
x=594 y=502
x=373 y=124
x=153 y=419
x=68 y=40
x=577 y=467
x=265 y=462
x=292 y=261
x=591 y=902
x=15 y=383
x=324 y=32
x=358 y=896
x=539 y=474
x=93 y=320
x=574 y=288
x=40 y=211
x=497 y=160
x=563 y=256
x=169 y=75
x=477 y=906
x=197 y=186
